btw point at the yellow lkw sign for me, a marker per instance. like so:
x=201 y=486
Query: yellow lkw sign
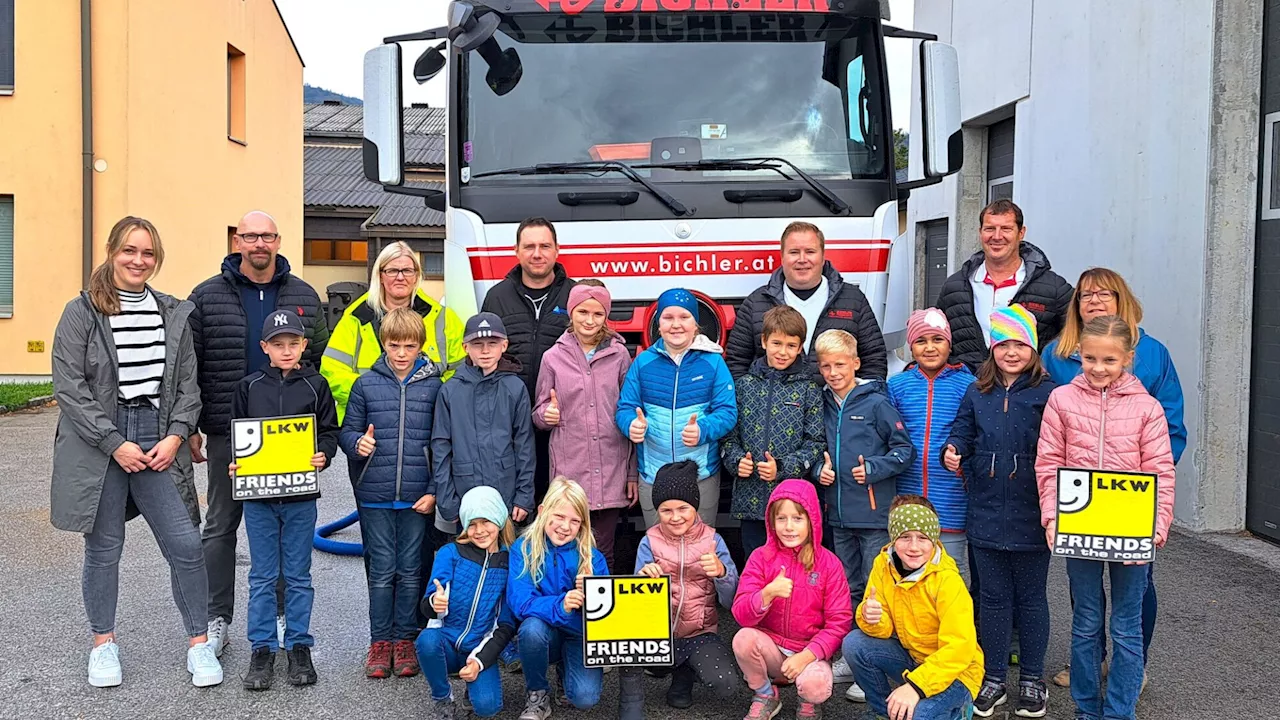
x=274 y=455
x=1105 y=515
x=627 y=621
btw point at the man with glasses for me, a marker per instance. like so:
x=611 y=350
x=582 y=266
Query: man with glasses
x=1006 y=270
x=230 y=308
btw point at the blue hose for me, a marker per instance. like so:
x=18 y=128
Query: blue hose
x=338 y=547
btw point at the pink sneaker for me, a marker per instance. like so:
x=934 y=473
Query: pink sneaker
x=764 y=707
x=808 y=711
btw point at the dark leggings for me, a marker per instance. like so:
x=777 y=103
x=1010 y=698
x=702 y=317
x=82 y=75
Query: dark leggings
x=1014 y=584
x=711 y=662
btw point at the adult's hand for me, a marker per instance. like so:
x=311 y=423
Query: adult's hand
x=130 y=457
x=196 y=441
x=161 y=455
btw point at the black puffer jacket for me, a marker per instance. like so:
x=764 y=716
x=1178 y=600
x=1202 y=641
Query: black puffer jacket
x=1044 y=293
x=218 y=328
x=846 y=309
x=529 y=338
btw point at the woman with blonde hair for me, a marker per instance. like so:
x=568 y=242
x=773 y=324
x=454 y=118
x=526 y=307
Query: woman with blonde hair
x=124 y=376
x=1101 y=292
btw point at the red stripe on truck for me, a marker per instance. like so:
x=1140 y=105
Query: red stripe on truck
x=680 y=262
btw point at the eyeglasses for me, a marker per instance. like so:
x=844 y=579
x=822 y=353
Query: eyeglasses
x=255 y=238
x=398 y=272
x=1100 y=295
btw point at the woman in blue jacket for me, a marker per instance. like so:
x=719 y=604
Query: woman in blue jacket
x=1101 y=292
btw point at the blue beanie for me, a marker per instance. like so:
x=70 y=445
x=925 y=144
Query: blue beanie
x=482 y=502
x=679 y=297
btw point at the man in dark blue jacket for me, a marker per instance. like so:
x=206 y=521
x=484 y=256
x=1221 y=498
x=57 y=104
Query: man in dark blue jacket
x=230 y=308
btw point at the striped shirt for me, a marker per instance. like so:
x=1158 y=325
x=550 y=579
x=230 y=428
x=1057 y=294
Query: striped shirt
x=138 y=332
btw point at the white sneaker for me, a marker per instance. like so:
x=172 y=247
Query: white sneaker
x=280 y=625
x=841 y=673
x=219 y=638
x=203 y=665
x=104 y=665
x=855 y=694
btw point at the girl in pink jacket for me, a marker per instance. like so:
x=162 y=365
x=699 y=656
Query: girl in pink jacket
x=576 y=399
x=793 y=605
x=1104 y=419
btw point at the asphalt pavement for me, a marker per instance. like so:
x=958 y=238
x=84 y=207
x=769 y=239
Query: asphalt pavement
x=1215 y=654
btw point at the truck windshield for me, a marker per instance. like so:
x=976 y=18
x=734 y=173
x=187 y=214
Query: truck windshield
x=702 y=86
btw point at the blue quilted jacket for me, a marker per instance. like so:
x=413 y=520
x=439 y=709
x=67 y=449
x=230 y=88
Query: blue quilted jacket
x=479 y=621
x=929 y=407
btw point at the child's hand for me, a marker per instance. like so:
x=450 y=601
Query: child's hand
x=712 y=566
x=745 y=466
x=1161 y=539
x=518 y=514
x=440 y=598
x=779 y=588
x=633 y=492
x=317 y=461
x=794 y=665
x=1050 y=533
x=366 y=443
x=860 y=471
x=233 y=468
x=551 y=415
x=653 y=570
x=872 y=611
x=828 y=474
x=639 y=427
x=470 y=672
x=691 y=433
x=951 y=458
x=768 y=469
x=425 y=505
x=577 y=584
x=572 y=600
x=902 y=702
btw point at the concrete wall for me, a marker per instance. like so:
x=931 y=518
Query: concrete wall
x=160 y=125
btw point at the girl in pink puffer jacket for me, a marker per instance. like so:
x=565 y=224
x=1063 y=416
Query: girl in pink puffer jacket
x=1104 y=419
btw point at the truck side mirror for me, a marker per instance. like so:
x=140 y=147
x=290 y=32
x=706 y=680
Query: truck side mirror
x=429 y=63
x=383 y=116
x=940 y=108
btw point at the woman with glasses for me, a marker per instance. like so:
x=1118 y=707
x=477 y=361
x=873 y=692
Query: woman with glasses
x=1101 y=292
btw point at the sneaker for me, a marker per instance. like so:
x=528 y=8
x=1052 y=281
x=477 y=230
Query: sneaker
x=855 y=694
x=680 y=694
x=537 y=707
x=443 y=709
x=841 y=673
x=280 y=628
x=1033 y=699
x=562 y=697
x=203 y=665
x=764 y=707
x=404 y=659
x=219 y=638
x=378 y=664
x=510 y=658
x=1144 y=683
x=104 y=665
x=301 y=669
x=262 y=666
x=990 y=696
x=808 y=711
x=1063 y=678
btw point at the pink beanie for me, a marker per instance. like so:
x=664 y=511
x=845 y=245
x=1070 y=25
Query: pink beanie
x=925 y=322
x=590 y=292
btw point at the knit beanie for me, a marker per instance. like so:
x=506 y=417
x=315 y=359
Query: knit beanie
x=482 y=502
x=678 y=297
x=929 y=321
x=676 y=481
x=1014 y=323
x=920 y=518
x=590 y=292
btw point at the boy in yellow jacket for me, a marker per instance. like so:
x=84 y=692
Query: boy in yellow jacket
x=915 y=624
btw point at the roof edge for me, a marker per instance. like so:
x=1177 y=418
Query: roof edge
x=285 y=25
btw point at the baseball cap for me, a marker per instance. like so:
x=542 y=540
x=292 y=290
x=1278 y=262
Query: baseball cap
x=484 y=325
x=281 y=322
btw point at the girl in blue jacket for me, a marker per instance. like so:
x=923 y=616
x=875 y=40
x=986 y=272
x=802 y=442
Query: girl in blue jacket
x=993 y=443
x=678 y=402
x=544 y=589
x=466 y=597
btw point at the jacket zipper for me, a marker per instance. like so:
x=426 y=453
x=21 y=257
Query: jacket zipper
x=839 y=434
x=1102 y=429
x=768 y=432
x=928 y=426
x=675 y=392
x=675 y=622
x=475 y=602
x=400 y=447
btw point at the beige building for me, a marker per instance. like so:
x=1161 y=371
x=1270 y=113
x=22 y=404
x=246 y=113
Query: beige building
x=194 y=117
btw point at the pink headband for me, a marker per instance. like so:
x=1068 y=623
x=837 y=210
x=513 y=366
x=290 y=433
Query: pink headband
x=590 y=292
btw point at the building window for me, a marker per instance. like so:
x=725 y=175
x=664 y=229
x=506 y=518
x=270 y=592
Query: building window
x=1270 y=164
x=6 y=256
x=1000 y=161
x=6 y=47
x=336 y=252
x=432 y=264
x=235 y=95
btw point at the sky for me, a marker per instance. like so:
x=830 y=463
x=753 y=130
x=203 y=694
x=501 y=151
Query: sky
x=333 y=39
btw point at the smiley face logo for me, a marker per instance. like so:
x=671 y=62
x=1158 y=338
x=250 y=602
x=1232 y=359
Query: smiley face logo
x=247 y=437
x=598 y=600
x=1074 y=491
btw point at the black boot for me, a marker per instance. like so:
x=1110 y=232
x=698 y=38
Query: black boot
x=301 y=670
x=680 y=694
x=262 y=666
x=630 y=694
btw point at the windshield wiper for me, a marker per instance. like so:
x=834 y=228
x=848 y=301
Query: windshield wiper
x=833 y=201
x=675 y=206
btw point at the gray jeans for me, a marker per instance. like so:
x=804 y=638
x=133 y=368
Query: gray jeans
x=708 y=501
x=159 y=502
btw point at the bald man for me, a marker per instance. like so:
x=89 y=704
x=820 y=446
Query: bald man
x=227 y=326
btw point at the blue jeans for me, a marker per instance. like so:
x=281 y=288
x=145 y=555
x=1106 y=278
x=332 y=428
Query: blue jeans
x=541 y=646
x=1014 y=585
x=875 y=662
x=280 y=535
x=1128 y=585
x=393 y=560
x=1150 y=607
x=857 y=549
x=438 y=657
